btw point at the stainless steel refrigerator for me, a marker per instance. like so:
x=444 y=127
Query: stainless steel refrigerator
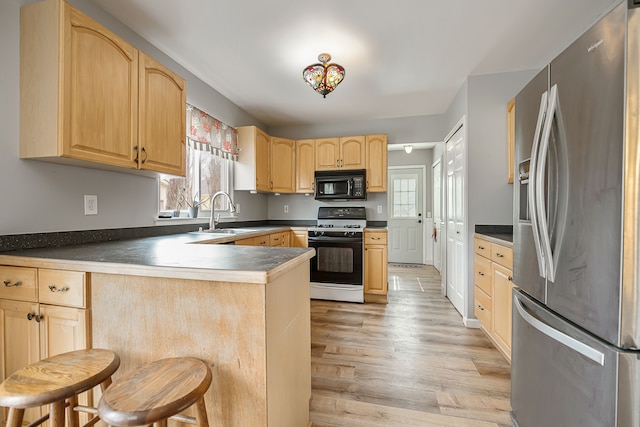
x=576 y=305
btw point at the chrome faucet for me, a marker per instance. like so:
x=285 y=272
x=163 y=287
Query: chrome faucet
x=213 y=221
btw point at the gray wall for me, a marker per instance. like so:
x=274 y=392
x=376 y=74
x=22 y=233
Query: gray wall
x=417 y=158
x=41 y=197
x=483 y=100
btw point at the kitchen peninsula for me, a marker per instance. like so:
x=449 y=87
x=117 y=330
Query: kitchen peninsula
x=244 y=310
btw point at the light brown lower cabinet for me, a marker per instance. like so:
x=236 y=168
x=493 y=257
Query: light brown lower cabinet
x=493 y=269
x=375 y=266
x=43 y=312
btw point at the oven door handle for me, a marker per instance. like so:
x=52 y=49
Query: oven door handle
x=353 y=240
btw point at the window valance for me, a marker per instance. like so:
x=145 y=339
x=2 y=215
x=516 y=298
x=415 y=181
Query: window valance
x=206 y=133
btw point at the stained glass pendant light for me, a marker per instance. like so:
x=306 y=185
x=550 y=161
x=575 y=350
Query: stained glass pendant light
x=323 y=77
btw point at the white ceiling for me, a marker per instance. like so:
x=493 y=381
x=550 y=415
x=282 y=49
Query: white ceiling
x=402 y=57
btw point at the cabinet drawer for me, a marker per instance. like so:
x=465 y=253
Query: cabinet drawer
x=482 y=275
x=375 y=237
x=65 y=288
x=482 y=247
x=18 y=283
x=482 y=307
x=249 y=241
x=503 y=255
x=262 y=240
x=276 y=239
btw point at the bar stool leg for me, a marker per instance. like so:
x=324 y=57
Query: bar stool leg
x=72 y=415
x=56 y=417
x=15 y=417
x=201 y=413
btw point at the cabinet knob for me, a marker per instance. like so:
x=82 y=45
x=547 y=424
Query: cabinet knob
x=39 y=318
x=8 y=284
x=30 y=316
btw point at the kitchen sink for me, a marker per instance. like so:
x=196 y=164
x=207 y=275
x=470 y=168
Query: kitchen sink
x=224 y=231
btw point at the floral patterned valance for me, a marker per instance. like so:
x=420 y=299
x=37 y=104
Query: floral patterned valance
x=209 y=134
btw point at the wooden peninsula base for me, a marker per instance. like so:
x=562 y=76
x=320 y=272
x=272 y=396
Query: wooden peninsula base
x=255 y=338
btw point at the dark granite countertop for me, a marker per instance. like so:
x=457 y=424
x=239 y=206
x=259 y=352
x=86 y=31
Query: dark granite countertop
x=503 y=233
x=178 y=256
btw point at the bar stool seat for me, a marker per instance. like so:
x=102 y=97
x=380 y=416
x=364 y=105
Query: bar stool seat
x=154 y=392
x=54 y=380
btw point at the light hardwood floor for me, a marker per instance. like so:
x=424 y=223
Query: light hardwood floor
x=409 y=363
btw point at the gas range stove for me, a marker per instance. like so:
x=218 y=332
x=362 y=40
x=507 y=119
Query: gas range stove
x=348 y=221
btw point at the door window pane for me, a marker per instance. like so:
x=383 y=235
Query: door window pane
x=404 y=198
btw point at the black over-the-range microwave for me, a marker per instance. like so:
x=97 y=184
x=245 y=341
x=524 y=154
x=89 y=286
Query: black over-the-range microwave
x=341 y=185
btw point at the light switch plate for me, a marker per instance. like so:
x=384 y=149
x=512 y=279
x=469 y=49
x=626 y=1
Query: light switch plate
x=379 y=209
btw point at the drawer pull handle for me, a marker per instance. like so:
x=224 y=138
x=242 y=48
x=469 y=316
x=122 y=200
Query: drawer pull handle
x=480 y=273
x=8 y=284
x=481 y=248
x=375 y=238
x=480 y=307
x=52 y=288
x=499 y=255
x=510 y=278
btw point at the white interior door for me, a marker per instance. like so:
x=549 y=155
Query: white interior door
x=437 y=214
x=456 y=268
x=406 y=231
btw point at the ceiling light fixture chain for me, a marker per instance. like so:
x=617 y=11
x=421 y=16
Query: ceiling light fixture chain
x=323 y=77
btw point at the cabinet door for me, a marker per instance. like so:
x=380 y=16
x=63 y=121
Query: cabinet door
x=283 y=165
x=352 y=152
x=305 y=165
x=20 y=343
x=162 y=127
x=62 y=329
x=262 y=143
x=327 y=154
x=501 y=328
x=299 y=238
x=376 y=154
x=100 y=93
x=375 y=269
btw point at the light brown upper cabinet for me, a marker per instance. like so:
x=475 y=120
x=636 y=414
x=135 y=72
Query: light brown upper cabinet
x=251 y=171
x=340 y=153
x=162 y=118
x=305 y=163
x=511 y=132
x=80 y=97
x=283 y=165
x=376 y=163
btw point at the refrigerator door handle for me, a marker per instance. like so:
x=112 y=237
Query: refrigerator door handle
x=533 y=212
x=540 y=175
x=558 y=336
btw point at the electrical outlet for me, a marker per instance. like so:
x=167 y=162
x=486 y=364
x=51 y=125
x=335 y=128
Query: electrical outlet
x=90 y=204
x=379 y=209
x=286 y=208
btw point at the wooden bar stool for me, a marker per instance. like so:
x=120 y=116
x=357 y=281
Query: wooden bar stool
x=157 y=391
x=54 y=380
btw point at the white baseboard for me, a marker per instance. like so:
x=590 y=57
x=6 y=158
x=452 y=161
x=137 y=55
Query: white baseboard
x=472 y=323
